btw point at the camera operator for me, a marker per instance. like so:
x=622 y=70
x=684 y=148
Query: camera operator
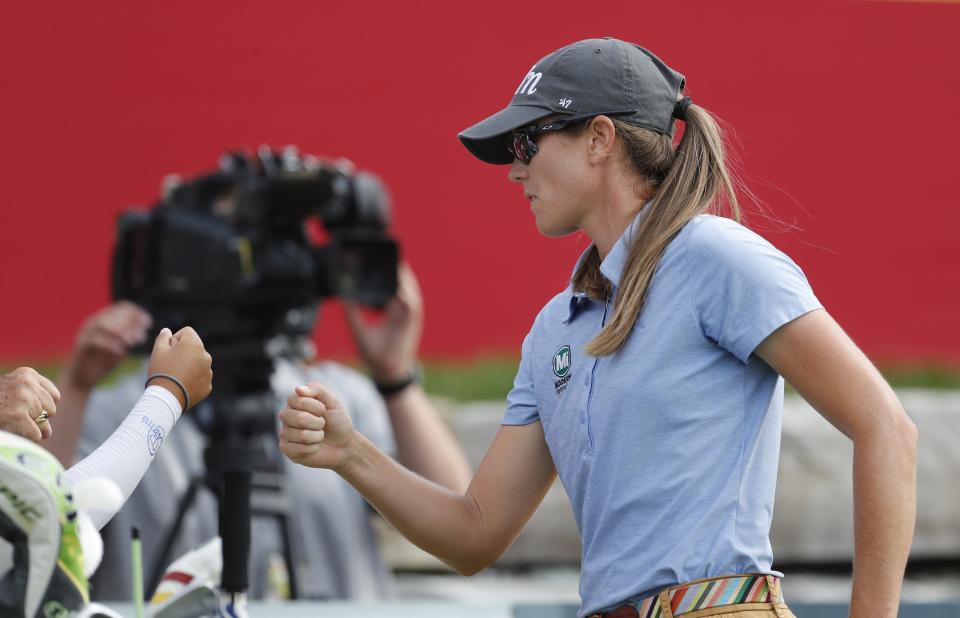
x=339 y=554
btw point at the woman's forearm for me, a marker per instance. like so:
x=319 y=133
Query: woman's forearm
x=885 y=506
x=468 y=531
x=440 y=521
x=814 y=355
x=125 y=456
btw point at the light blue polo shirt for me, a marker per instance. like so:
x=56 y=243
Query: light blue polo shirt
x=668 y=449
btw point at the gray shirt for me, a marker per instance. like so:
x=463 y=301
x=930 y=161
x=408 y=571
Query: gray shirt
x=337 y=550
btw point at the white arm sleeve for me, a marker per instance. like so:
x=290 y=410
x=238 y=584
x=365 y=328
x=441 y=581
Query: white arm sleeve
x=125 y=456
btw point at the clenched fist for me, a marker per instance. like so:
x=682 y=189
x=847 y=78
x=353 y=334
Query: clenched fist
x=317 y=430
x=183 y=356
x=24 y=396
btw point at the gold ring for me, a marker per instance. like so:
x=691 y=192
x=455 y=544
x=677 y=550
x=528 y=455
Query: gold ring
x=42 y=418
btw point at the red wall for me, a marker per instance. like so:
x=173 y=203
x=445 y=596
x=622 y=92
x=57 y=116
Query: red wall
x=846 y=114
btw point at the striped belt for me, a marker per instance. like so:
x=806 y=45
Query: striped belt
x=702 y=594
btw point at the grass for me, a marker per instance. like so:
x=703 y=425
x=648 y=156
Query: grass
x=938 y=376
x=488 y=378
x=491 y=377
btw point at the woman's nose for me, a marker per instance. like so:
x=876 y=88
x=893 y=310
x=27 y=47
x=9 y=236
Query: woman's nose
x=518 y=171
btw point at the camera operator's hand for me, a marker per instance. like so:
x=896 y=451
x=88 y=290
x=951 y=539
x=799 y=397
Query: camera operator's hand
x=424 y=441
x=24 y=396
x=316 y=430
x=389 y=347
x=103 y=340
x=183 y=356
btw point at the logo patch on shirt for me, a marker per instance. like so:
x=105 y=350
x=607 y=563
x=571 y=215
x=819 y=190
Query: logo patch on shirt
x=561 y=368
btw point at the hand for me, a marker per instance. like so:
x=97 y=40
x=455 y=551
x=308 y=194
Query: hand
x=103 y=340
x=316 y=430
x=182 y=355
x=389 y=347
x=24 y=394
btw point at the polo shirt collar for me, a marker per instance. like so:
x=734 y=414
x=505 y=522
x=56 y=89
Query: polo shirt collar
x=575 y=299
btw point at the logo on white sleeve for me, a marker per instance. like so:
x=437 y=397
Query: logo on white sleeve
x=155 y=434
x=529 y=83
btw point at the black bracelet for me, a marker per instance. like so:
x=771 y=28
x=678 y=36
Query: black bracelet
x=387 y=389
x=183 y=389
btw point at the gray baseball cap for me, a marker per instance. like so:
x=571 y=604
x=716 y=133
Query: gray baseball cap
x=593 y=76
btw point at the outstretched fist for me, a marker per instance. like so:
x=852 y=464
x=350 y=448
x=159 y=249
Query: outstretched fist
x=183 y=356
x=316 y=430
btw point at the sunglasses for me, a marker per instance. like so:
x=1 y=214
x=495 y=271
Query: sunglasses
x=522 y=144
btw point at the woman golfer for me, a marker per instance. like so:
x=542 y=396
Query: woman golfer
x=652 y=384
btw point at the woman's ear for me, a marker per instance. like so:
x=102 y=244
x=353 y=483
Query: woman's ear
x=601 y=139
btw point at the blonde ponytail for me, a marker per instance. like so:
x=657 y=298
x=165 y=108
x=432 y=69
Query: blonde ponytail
x=687 y=182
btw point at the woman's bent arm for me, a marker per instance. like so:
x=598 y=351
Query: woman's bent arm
x=815 y=356
x=467 y=531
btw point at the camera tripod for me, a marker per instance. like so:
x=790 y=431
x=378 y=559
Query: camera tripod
x=245 y=475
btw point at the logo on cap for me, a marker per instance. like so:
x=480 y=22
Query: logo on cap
x=530 y=81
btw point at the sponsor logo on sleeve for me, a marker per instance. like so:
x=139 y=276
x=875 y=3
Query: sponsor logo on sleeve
x=155 y=434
